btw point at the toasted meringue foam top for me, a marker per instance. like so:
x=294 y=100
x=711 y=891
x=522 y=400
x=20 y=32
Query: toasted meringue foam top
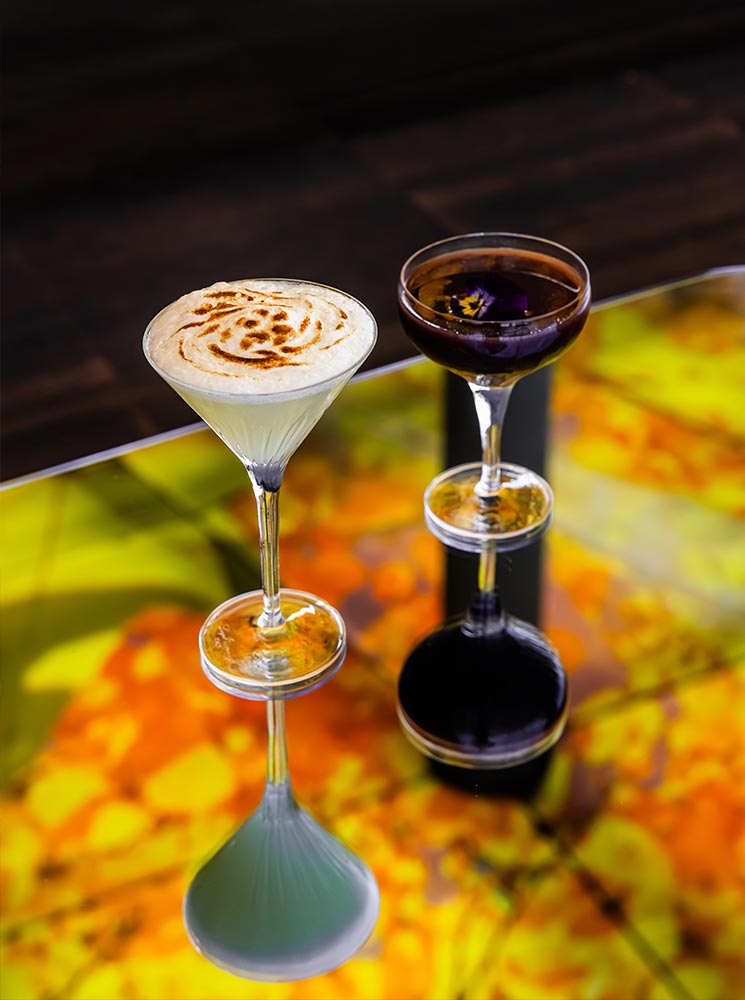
x=260 y=337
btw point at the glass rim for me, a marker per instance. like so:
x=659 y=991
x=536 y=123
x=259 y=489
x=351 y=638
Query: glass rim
x=306 y=390
x=583 y=292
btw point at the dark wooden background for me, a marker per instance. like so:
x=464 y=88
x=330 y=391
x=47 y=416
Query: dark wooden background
x=152 y=148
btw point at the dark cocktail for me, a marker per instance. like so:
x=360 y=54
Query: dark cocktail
x=492 y=307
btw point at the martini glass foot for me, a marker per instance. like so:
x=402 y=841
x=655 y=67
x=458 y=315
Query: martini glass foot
x=246 y=659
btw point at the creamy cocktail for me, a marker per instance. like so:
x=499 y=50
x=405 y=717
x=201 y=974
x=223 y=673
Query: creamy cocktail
x=261 y=360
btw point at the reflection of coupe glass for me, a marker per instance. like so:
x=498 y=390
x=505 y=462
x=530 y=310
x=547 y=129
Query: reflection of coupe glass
x=485 y=690
x=260 y=361
x=492 y=307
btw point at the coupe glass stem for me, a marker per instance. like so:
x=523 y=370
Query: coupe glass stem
x=267 y=504
x=277 y=772
x=491 y=406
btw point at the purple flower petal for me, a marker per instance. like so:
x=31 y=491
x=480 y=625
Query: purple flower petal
x=488 y=296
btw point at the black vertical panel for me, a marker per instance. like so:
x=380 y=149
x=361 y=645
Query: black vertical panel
x=524 y=442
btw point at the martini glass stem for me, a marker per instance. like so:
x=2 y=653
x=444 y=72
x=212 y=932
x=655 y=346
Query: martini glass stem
x=491 y=406
x=267 y=504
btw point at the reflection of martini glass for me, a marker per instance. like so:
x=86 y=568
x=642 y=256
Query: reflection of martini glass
x=260 y=361
x=492 y=307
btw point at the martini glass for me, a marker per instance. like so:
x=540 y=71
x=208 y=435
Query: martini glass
x=492 y=308
x=509 y=702
x=260 y=361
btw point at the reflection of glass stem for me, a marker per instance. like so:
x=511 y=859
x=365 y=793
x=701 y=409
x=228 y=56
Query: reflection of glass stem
x=491 y=406
x=485 y=615
x=267 y=505
x=277 y=772
x=488 y=569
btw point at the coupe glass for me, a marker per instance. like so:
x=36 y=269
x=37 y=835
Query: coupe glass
x=492 y=307
x=282 y=899
x=507 y=702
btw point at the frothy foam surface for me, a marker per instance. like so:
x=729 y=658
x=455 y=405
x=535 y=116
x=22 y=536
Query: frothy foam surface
x=259 y=337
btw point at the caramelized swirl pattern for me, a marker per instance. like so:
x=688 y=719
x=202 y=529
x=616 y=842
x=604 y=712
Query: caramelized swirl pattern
x=229 y=329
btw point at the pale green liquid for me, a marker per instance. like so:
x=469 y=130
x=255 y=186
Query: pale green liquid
x=263 y=429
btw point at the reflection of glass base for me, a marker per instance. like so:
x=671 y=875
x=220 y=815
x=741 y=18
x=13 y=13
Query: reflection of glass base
x=483 y=701
x=459 y=517
x=261 y=663
x=282 y=899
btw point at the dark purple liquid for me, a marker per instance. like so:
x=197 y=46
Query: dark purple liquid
x=496 y=694
x=463 y=300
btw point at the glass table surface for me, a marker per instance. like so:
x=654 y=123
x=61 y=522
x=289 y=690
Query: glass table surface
x=619 y=874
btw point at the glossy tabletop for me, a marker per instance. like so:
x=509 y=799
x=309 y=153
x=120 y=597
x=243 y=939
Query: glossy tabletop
x=619 y=874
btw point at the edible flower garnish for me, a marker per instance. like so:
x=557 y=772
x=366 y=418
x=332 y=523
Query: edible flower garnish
x=490 y=297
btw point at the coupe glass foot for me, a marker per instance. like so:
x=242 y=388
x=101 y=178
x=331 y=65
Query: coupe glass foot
x=518 y=513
